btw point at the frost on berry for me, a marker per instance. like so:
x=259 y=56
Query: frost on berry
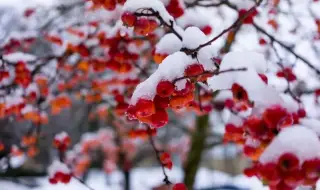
x=59 y=173
x=61 y=141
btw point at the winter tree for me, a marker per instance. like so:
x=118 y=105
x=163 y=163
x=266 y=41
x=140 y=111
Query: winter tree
x=180 y=76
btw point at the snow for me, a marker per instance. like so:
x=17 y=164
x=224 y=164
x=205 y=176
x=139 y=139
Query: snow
x=205 y=56
x=57 y=166
x=19 y=56
x=140 y=5
x=244 y=59
x=193 y=37
x=61 y=136
x=313 y=124
x=257 y=90
x=298 y=140
x=192 y=17
x=172 y=67
x=168 y=44
x=98 y=180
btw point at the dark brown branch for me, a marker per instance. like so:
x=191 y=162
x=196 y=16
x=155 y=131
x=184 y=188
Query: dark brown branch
x=288 y=48
x=234 y=25
x=157 y=152
x=216 y=72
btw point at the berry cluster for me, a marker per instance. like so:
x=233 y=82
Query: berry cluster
x=166 y=161
x=175 y=8
x=142 y=25
x=59 y=103
x=107 y=4
x=257 y=132
x=3 y=75
x=288 y=74
x=287 y=173
x=61 y=141
x=59 y=172
x=249 y=18
x=22 y=74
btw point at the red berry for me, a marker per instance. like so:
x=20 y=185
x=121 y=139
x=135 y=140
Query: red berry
x=264 y=78
x=302 y=113
x=262 y=41
x=206 y=30
x=160 y=118
x=272 y=116
x=288 y=162
x=131 y=112
x=66 y=178
x=161 y=102
x=165 y=89
x=128 y=19
x=53 y=181
x=239 y=93
x=144 y=108
x=142 y=26
x=294 y=179
x=193 y=70
x=179 y=186
x=229 y=103
x=58 y=176
x=250 y=172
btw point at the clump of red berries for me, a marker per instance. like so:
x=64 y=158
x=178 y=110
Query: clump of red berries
x=153 y=112
x=142 y=25
x=108 y=4
x=288 y=172
x=247 y=16
x=288 y=74
x=22 y=74
x=166 y=161
x=59 y=172
x=262 y=129
x=62 y=141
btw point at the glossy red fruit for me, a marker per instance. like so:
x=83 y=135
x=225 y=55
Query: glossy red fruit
x=239 y=93
x=270 y=173
x=288 y=162
x=288 y=74
x=179 y=186
x=194 y=70
x=144 y=108
x=161 y=102
x=250 y=172
x=262 y=41
x=53 y=181
x=165 y=89
x=247 y=17
x=294 y=179
x=128 y=19
x=142 y=26
x=311 y=168
x=160 y=118
x=131 y=112
x=272 y=116
x=302 y=113
x=264 y=78
x=66 y=178
x=229 y=103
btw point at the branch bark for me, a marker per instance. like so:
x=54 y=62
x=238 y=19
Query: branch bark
x=197 y=147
